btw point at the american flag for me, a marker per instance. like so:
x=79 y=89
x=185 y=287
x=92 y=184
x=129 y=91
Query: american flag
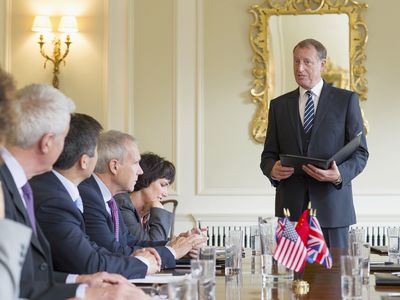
x=317 y=250
x=290 y=250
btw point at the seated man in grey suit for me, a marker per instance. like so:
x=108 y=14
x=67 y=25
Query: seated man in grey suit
x=43 y=115
x=12 y=253
x=59 y=210
x=116 y=171
x=144 y=201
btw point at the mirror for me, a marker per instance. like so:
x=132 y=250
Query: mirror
x=280 y=24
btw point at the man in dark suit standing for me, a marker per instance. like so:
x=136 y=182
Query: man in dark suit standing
x=315 y=120
x=116 y=171
x=43 y=115
x=59 y=210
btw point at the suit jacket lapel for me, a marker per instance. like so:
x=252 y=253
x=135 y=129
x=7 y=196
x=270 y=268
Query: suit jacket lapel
x=98 y=191
x=12 y=190
x=325 y=101
x=293 y=110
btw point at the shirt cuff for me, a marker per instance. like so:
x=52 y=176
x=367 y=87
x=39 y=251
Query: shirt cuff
x=81 y=290
x=71 y=278
x=144 y=260
x=171 y=250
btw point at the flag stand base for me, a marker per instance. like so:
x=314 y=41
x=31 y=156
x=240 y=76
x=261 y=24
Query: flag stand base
x=300 y=287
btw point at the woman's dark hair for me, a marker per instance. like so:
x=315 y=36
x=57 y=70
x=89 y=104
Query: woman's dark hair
x=154 y=167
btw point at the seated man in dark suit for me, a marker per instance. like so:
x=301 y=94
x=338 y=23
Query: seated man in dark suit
x=43 y=115
x=59 y=210
x=144 y=201
x=116 y=171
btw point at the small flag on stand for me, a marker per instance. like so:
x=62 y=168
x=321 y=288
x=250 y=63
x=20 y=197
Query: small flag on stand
x=279 y=229
x=290 y=250
x=317 y=249
x=303 y=227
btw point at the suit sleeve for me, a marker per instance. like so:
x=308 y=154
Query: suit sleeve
x=356 y=163
x=270 y=153
x=12 y=255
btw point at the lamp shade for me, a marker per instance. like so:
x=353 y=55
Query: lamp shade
x=68 y=24
x=42 y=24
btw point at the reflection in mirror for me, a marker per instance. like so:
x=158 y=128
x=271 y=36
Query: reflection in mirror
x=280 y=24
x=286 y=31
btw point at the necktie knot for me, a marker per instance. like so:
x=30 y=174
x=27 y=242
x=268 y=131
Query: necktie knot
x=112 y=204
x=28 y=198
x=309 y=112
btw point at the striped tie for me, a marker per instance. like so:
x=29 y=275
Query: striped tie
x=309 y=113
x=115 y=217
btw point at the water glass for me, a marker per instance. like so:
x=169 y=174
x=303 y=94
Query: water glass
x=393 y=242
x=255 y=240
x=271 y=270
x=183 y=290
x=351 y=277
x=207 y=253
x=204 y=272
x=233 y=252
x=232 y=287
x=363 y=250
x=356 y=235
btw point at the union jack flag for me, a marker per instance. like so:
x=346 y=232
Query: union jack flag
x=290 y=250
x=279 y=228
x=317 y=250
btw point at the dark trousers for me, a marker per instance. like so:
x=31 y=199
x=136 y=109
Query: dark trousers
x=336 y=237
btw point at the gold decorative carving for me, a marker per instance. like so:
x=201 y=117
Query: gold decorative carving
x=261 y=85
x=336 y=76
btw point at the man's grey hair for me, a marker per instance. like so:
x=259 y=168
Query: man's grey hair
x=307 y=43
x=40 y=109
x=112 y=145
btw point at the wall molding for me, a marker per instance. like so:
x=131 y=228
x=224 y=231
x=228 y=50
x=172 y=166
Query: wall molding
x=200 y=189
x=5 y=60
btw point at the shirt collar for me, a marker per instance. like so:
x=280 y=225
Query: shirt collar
x=16 y=170
x=105 y=192
x=71 y=188
x=316 y=90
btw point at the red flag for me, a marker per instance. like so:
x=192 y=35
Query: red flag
x=290 y=250
x=303 y=227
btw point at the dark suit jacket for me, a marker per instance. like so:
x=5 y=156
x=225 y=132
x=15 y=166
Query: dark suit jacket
x=64 y=227
x=337 y=120
x=38 y=279
x=100 y=228
x=158 y=226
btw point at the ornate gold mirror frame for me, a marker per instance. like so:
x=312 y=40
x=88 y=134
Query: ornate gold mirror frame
x=261 y=89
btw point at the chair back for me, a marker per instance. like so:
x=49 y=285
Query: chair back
x=170 y=205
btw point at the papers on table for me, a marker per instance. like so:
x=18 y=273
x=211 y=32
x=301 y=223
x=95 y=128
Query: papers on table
x=161 y=278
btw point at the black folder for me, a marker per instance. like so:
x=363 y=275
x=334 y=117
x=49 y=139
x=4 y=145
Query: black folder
x=297 y=161
x=386 y=279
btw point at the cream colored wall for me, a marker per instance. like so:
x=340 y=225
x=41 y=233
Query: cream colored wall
x=177 y=74
x=83 y=76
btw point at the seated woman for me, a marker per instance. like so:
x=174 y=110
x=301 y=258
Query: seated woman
x=142 y=210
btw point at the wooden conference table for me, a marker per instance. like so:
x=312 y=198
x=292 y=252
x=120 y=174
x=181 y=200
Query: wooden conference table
x=324 y=284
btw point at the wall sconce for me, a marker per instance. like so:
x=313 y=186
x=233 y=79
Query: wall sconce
x=67 y=25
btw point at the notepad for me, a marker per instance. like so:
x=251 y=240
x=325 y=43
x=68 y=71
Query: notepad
x=296 y=161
